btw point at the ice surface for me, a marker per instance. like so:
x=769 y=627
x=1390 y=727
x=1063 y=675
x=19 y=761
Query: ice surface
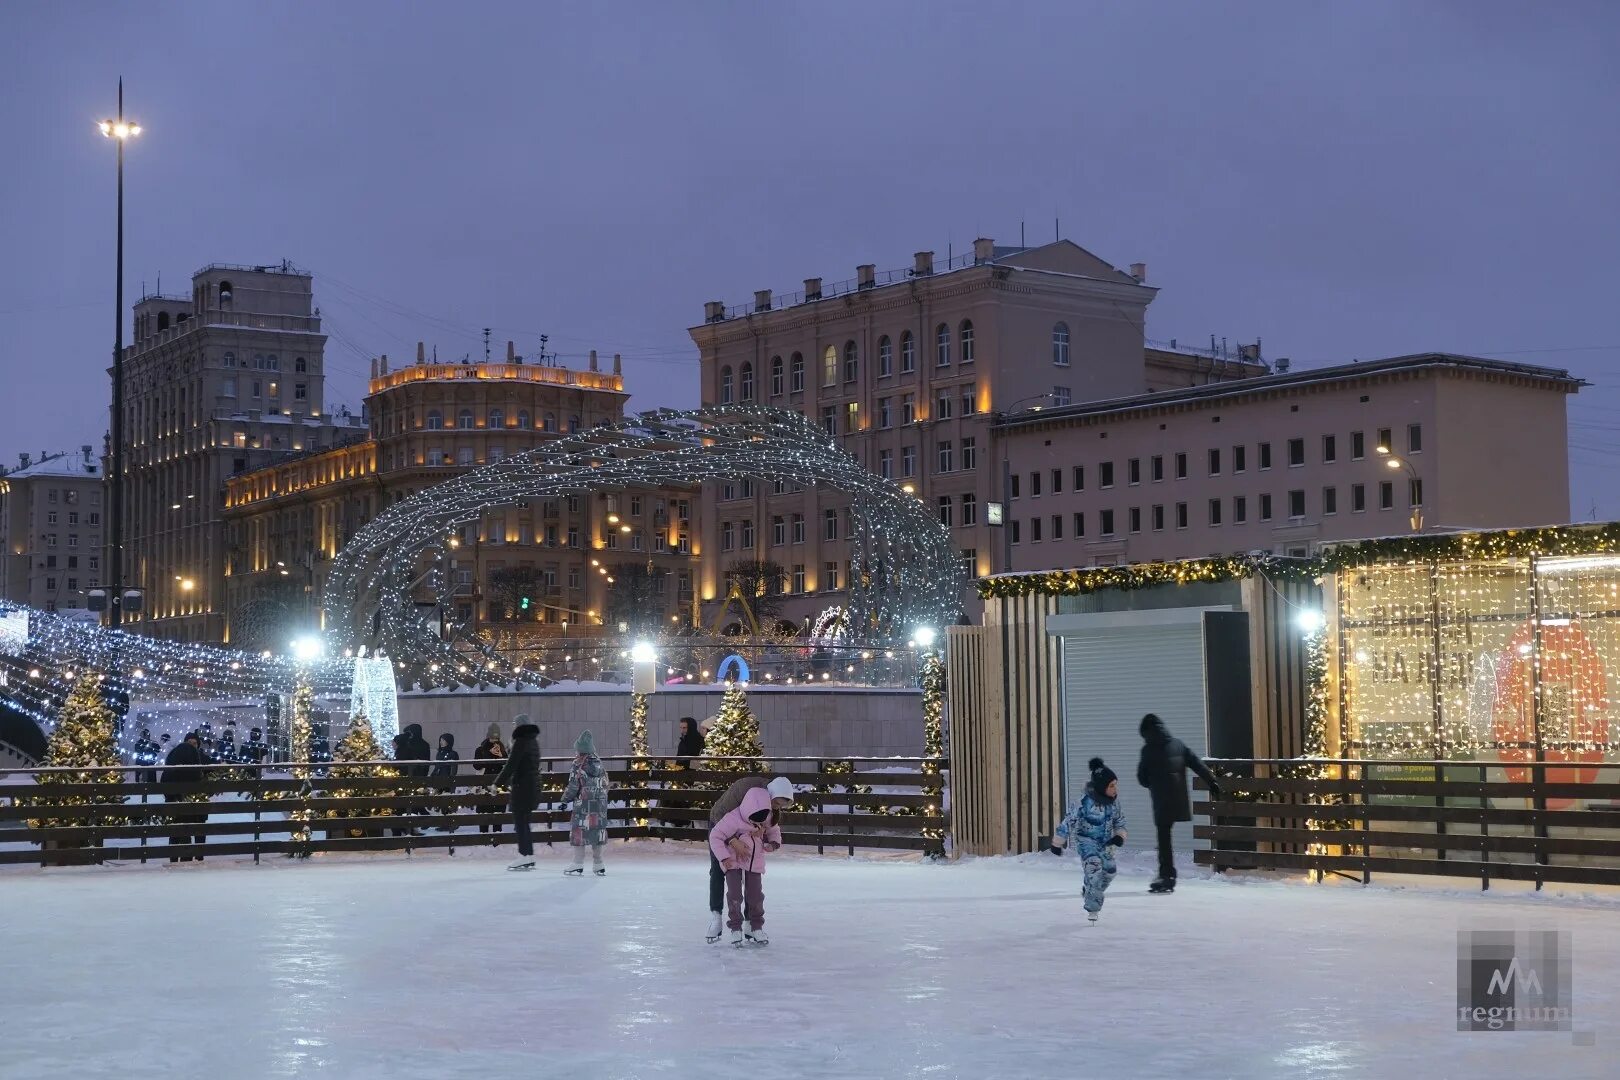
x=442 y=967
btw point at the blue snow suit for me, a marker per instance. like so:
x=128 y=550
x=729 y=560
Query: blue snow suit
x=1088 y=826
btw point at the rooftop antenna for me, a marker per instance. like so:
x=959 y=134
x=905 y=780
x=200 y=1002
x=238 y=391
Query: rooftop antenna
x=1021 y=235
x=486 y=344
x=1057 y=231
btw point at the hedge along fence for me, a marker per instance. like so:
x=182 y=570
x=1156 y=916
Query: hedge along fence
x=265 y=809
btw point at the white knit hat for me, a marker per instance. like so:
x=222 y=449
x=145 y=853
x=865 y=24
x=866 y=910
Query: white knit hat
x=780 y=788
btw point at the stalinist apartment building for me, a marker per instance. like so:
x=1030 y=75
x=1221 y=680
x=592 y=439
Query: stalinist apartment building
x=223 y=381
x=52 y=518
x=1020 y=381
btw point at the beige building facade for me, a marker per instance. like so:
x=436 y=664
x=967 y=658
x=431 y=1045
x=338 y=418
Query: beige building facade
x=429 y=423
x=52 y=520
x=1283 y=462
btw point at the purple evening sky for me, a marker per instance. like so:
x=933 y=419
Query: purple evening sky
x=1342 y=180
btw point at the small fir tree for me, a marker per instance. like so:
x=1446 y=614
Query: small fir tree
x=735 y=734
x=639 y=762
x=301 y=731
x=83 y=741
x=360 y=744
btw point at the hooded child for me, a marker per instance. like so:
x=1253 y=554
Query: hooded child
x=739 y=841
x=587 y=791
x=1095 y=826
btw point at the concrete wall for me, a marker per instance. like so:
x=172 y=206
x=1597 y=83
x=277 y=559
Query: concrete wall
x=831 y=723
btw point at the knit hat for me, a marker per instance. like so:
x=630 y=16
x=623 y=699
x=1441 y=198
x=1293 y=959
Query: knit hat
x=585 y=744
x=780 y=788
x=494 y=732
x=1101 y=777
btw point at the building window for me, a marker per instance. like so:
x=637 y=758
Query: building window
x=908 y=353
x=829 y=524
x=1035 y=530
x=1414 y=496
x=1265 y=456
x=1330 y=449
x=829 y=419
x=1330 y=501
x=1215 y=462
x=1106 y=524
x=1414 y=438
x=778 y=530
x=829 y=576
x=1385 y=443
x=573 y=539
x=945 y=509
x=908 y=409
x=852 y=363
x=1181 y=466
x=852 y=416
x=747 y=535
x=970 y=509
x=725 y=385
x=1265 y=507
x=464 y=420
x=798 y=577
x=908 y=461
x=548 y=422
x=970 y=454
x=95 y=563
x=464 y=455
x=1061 y=396
x=229 y=359
x=884 y=420
x=1060 y=344
x=885 y=356
x=942 y=404
x=886 y=464
x=435 y=456
x=1214 y=511
x=798 y=528
x=1057 y=481
x=942 y=346
x=1358 y=446
x=829 y=366
x=227 y=387
x=1013 y=481
x=1240 y=460
x=51 y=518
x=745 y=382
x=1034 y=485
x=497 y=419
x=1386 y=495
x=967 y=341
x=970 y=400
x=1296 y=453
x=435 y=419
x=1079 y=524
x=95 y=519
x=1133 y=471
x=1105 y=474
x=947 y=457
x=1240 y=510
x=1079 y=478
x=1135 y=519
x=1181 y=515
x=776 y=376
x=728 y=536
x=1158 y=517
x=523 y=421
x=796 y=375
x=1017 y=538
x=1157 y=468
x=1296 y=503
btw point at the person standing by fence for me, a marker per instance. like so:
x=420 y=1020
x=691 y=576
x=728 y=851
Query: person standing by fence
x=588 y=792
x=176 y=773
x=522 y=773
x=445 y=768
x=1163 y=771
x=488 y=759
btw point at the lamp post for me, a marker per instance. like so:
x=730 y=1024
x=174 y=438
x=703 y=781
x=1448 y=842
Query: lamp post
x=1414 y=492
x=120 y=131
x=1006 y=479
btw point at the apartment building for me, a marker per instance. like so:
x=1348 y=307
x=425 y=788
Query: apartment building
x=1282 y=462
x=52 y=519
x=430 y=422
x=218 y=383
x=907 y=370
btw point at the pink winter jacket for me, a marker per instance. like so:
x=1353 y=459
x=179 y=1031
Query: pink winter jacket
x=736 y=824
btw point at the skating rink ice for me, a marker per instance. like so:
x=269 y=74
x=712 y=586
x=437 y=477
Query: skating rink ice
x=440 y=967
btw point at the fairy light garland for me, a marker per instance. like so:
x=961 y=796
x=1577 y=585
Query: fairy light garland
x=84 y=742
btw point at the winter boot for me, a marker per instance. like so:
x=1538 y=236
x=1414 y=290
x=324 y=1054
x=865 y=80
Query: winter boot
x=756 y=936
x=574 y=871
x=522 y=864
x=1162 y=885
x=714 y=928
x=737 y=938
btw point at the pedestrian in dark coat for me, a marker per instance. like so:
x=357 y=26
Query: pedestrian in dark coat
x=521 y=774
x=490 y=756
x=1163 y=771
x=413 y=750
x=690 y=745
x=187 y=752
x=446 y=769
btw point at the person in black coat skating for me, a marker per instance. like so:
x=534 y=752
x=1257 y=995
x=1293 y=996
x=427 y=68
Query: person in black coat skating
x=522 y=774
x=1163 y=771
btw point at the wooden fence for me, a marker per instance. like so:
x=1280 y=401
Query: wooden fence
x=1453 y=818
x=243 y=810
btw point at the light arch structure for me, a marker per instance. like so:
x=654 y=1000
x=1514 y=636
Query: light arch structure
x=905 y=570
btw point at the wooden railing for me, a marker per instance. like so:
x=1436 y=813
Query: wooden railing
x=1452 y=818
x=243 y=810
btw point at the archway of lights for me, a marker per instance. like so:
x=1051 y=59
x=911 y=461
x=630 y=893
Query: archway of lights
x=904 y=568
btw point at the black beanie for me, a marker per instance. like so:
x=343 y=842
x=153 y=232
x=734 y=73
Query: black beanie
x=1101 y=777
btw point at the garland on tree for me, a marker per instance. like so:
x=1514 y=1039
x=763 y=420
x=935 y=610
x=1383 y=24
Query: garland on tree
x=735 y=734
x=83 y=741
x=360 y=744
x=638 y=744
x=301 y=731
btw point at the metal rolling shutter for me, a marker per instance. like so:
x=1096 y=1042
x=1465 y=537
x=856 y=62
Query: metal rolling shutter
x=1111 y=677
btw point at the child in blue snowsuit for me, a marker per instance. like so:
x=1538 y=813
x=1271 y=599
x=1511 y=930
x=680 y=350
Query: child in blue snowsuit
x=1095 y=825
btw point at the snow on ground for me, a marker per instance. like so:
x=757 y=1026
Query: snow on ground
x=444 y=967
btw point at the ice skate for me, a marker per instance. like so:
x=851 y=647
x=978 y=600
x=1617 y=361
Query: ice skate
x=574 y=871
x=1091 y=916
x=714 y=928
x=1162 y=885
x=522 y=864
x=600 y=871
x=737 y=938
x=757 y=937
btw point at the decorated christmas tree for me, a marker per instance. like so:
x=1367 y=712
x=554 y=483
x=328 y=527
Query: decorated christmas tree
x=639 y=762
x=83 y=742
x=360 y=744
x=300 y=731
x=735 y=734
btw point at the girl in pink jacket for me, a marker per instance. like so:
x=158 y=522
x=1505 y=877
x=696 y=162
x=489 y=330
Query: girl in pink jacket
x=739 y=841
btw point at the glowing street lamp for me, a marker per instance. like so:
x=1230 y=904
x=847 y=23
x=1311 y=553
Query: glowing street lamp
x=307 y=648
x=121 y=131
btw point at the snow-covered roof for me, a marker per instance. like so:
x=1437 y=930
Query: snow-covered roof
x=63 y=464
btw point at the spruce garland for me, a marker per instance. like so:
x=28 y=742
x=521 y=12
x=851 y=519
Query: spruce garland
x=360 y=744
x=83 y=741
x=735 y=734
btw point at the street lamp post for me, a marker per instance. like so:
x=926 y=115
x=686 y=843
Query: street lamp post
x=1414 y=492
x=1006 y=480
x=120 y=131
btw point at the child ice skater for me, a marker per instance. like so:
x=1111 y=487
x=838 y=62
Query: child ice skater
x=739 y=840
x=1096 y=825
x=588 y=784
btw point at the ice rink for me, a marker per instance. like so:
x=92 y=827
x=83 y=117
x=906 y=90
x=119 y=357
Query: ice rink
x=440 y=967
